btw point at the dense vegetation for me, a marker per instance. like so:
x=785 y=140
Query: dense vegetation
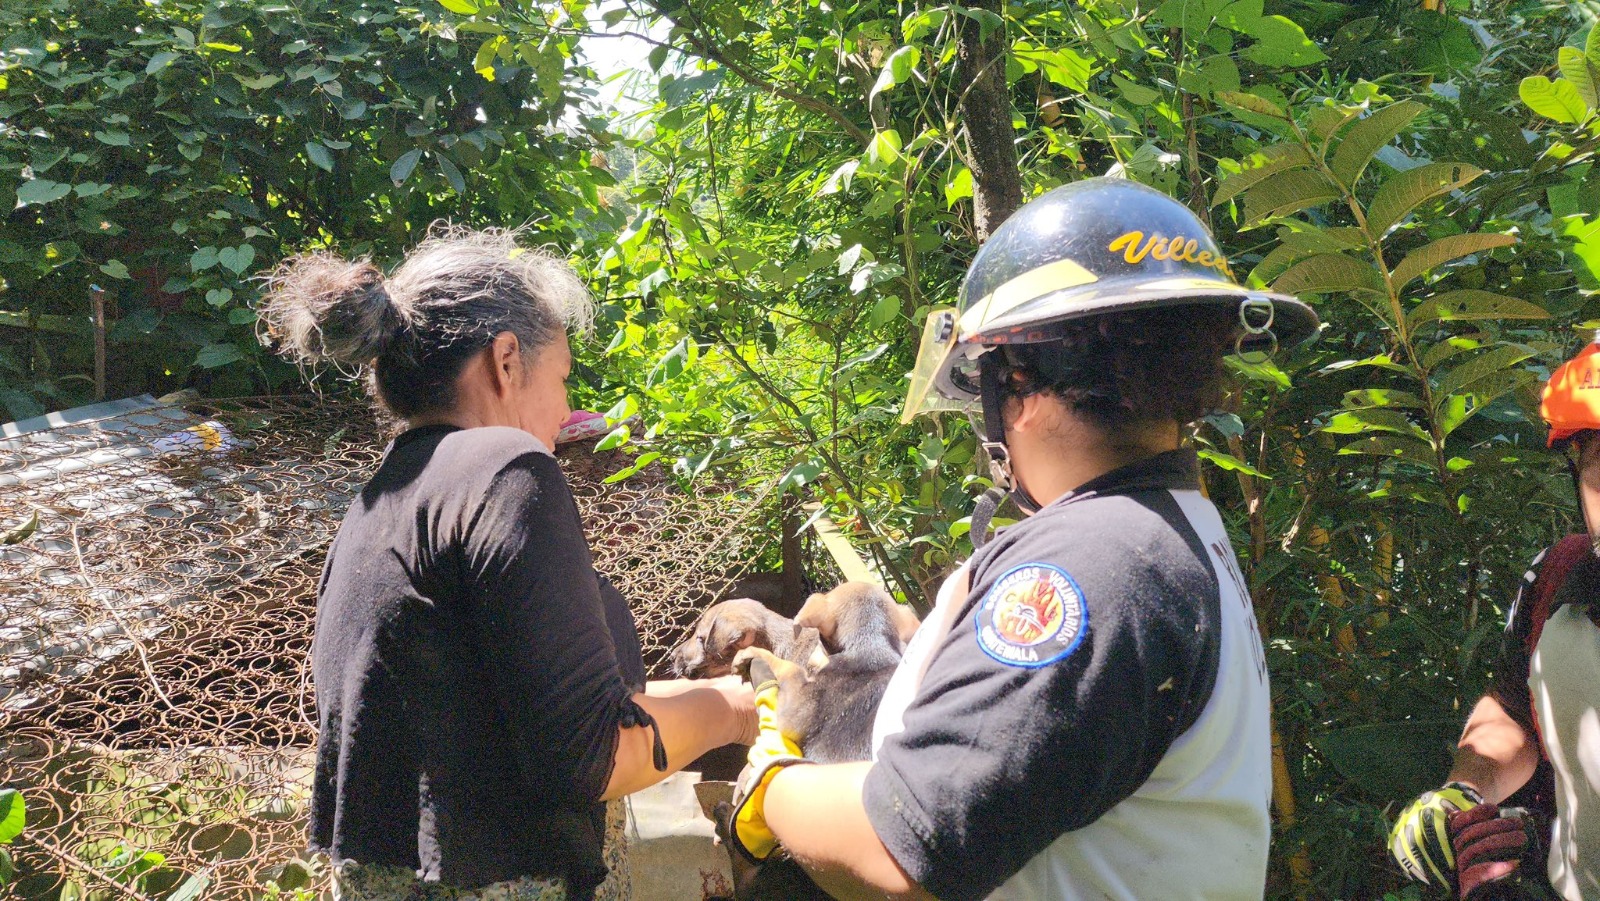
x=766 y=239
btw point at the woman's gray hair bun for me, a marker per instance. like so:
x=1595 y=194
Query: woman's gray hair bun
x=320 y=308
x=413 y=331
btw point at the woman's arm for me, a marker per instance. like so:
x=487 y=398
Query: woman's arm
x=667 y=688
x=698 y=716
x=818 y=815
x=1496 y=755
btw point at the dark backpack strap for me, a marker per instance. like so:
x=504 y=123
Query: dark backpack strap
x=1552 y=576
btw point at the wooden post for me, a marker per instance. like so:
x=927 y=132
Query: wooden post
x=792 y=552
x=98 y=295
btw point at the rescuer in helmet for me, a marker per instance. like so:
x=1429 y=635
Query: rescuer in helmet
x=1085 y=712
x=1529 y=752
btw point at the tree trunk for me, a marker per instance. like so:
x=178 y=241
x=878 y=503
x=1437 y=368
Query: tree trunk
x=986 y=113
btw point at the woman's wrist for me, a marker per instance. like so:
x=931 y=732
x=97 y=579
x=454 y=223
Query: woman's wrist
x=739 y=698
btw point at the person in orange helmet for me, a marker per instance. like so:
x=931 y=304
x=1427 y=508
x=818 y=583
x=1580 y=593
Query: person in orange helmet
x=1534 y=739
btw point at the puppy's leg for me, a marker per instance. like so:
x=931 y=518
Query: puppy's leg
x=795 y=704
x=790 y=675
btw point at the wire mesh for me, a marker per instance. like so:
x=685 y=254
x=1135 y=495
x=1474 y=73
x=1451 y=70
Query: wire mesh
x=155 y=629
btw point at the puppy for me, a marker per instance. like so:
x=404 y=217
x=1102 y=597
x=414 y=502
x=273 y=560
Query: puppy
x=829 y=712
x=727 y=628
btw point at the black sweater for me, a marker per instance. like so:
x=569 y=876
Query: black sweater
x=471 y=669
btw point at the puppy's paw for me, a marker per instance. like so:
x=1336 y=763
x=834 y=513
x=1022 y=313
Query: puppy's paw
x=758 y=665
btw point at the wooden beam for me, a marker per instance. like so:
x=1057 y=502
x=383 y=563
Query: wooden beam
x=844 y=555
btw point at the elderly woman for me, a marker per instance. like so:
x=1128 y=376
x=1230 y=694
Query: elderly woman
x=480 y=692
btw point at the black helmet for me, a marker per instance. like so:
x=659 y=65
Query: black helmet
x=1101 y=245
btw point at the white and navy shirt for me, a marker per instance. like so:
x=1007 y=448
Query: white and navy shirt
x=1563 y=674
x=1091 y=718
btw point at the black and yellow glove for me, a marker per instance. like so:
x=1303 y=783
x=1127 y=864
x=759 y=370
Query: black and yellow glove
x=771 y=752
x=1420 y=841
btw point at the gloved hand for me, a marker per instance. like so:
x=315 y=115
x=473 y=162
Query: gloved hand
x=770 y=753
x=1420 y=840
x=1495 y=849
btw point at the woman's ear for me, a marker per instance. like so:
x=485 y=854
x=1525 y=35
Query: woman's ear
x=1032 y=412
x=505 y=363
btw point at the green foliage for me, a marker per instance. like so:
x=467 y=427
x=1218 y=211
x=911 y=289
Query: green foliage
x=170 y=152
x=799 y=211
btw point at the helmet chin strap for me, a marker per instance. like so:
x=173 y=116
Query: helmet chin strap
x=990 y=372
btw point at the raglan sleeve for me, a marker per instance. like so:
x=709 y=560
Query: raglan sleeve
x=542 y=625
x=1059 y=688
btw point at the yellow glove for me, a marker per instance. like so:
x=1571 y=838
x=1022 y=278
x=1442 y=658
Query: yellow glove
x=1420 y=840
x=770 y=753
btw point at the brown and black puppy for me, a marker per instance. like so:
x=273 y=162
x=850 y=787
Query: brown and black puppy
x=727 y=628
x=829 y=712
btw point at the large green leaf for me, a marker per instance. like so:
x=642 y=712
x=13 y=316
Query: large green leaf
x=897 y=69
x=213 y=355
x=1395 y=447
x=1230 y=463
x=38 y=191
x=1471 y=303
x=1275 y=264
x=1557 y=100
x=1405 y=191
x=1310 y=239
x=1281 y=43
x=319 y=155
x=1380 y=361
x=1286 y=193
x=1373 y=419
x=1258 y=167
x=1329 y=272
x=1252 y=103
x=1456 y=409
x=1431 y=256
x=401 y=170
x=192 y=888
x=1366 y=137
x=1582 y=74
x=1480 y=367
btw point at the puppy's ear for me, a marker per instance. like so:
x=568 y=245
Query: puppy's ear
x=725 y=638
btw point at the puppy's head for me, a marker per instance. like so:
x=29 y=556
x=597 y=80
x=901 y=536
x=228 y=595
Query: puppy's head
x=723 y=631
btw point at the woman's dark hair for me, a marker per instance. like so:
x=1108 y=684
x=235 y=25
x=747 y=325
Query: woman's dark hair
x=414 y=330
x=1126 y=368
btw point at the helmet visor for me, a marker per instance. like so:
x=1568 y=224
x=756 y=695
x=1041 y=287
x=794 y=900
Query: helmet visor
x=936 y=354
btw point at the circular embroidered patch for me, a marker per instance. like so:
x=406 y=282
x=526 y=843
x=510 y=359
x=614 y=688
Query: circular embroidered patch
x=1035 y=614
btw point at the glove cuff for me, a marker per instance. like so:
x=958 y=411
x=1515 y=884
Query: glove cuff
x=1467 y=791
x=748 y=832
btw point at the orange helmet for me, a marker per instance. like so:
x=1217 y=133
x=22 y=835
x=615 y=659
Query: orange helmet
x=1571 y=401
